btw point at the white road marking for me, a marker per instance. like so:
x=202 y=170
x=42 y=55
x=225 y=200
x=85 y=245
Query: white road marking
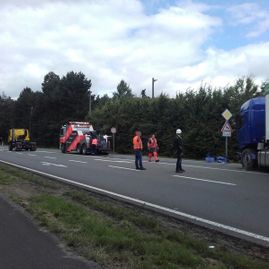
x=53 y=164
x=44 y=151
x=50 y=157
x=124 y=168
x=223 y=169
x=213 y=168
x=75 y=161
x=206 y=180
x=192 y=166
x=32 y=155
x=19 y=153
x=150 y=205
x=111 y=161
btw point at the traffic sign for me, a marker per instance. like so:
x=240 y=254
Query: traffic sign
x=226 y=129
x=113 y=130
x=227 y=114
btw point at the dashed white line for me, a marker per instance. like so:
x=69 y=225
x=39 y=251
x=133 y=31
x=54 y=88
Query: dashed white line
x=32 y=155
x=213 y=168
x=44 y=151
x=123 y=168
x=206 y=180
x=19 y=153
x=50 y=157
x=111 y=161
x=53 y=164
x=75 y=161
x=151 y=205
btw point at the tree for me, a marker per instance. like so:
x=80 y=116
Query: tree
x=64 y=99
x=6 y=115
x=75 y=101
x=123 y=91
x=24 y=108
x=197 y=113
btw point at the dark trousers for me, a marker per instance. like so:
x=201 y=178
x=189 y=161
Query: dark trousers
x=94 y=149
x=138 y=159
x=179 y=163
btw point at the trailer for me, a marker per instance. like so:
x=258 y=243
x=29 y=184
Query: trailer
x=79 y=136
x=253 y=136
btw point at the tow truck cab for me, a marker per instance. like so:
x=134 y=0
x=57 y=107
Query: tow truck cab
x=78 y=136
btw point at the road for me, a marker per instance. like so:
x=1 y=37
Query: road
x=219 y=196
x=23 y=245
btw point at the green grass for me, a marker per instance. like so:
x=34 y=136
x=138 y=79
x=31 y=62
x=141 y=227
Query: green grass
x=116 y=235
x=122 y=242
x=6 y=175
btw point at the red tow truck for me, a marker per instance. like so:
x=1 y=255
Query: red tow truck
x=78 y=136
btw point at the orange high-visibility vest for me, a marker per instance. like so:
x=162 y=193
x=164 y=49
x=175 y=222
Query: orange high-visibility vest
x=137 y=143
x=95 y=141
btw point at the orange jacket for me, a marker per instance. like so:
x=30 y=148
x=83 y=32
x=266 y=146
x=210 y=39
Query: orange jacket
x=152 y=143
x=137 y=143
x=95 y=141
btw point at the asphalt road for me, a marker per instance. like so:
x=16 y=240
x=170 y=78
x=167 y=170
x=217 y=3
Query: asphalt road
x=23 y=245
x=219 y=196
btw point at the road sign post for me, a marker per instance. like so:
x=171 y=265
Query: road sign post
x=226 y=147
x=226 y=130
x=113 y=131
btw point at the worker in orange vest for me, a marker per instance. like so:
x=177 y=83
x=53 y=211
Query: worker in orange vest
x=153 y=148
x=138 y=147
x=94 y=144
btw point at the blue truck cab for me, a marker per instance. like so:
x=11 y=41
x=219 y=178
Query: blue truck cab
x=251 y=135
x=252 y=116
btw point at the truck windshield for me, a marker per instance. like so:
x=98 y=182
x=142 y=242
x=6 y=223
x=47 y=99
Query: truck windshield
x=84 y=130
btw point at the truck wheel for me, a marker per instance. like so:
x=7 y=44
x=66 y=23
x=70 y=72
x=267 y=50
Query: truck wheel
x=79 y=149
x=84 y=149
x=249 y=159
x=63 y=148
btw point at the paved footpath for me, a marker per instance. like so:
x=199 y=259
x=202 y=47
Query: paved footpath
x=24 y=246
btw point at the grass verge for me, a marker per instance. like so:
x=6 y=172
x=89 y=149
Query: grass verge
x=116 y=235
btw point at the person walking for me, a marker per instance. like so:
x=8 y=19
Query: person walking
x=153 y=148
x=138 y=147
x=178 y=146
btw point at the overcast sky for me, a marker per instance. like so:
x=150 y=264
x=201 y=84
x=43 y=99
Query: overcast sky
x=181 y=43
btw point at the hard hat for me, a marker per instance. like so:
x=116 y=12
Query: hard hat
x=178 y=131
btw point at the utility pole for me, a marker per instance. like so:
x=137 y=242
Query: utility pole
x=90 y=102
x=153 y=81
x=30 y=119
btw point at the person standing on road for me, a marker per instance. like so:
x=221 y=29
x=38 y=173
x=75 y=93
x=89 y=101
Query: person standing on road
x=153 y=148
x=94 y=145
x=138 y=147
x=178 y=146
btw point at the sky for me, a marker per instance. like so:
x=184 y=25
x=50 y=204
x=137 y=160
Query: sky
x=182 y=43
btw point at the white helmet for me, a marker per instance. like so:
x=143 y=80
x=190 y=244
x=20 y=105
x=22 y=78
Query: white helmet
x=178 y=131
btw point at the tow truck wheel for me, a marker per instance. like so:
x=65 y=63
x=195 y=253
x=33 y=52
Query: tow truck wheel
x=79 y=149
x=84 y=149
x=63 y=148
x=249 y=159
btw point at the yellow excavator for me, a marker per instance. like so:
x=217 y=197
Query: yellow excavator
x=19 y=139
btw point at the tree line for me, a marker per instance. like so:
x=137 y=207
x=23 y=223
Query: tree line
x=196 y=112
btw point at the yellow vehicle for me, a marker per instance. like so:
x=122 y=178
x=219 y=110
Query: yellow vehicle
x=19 y=139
